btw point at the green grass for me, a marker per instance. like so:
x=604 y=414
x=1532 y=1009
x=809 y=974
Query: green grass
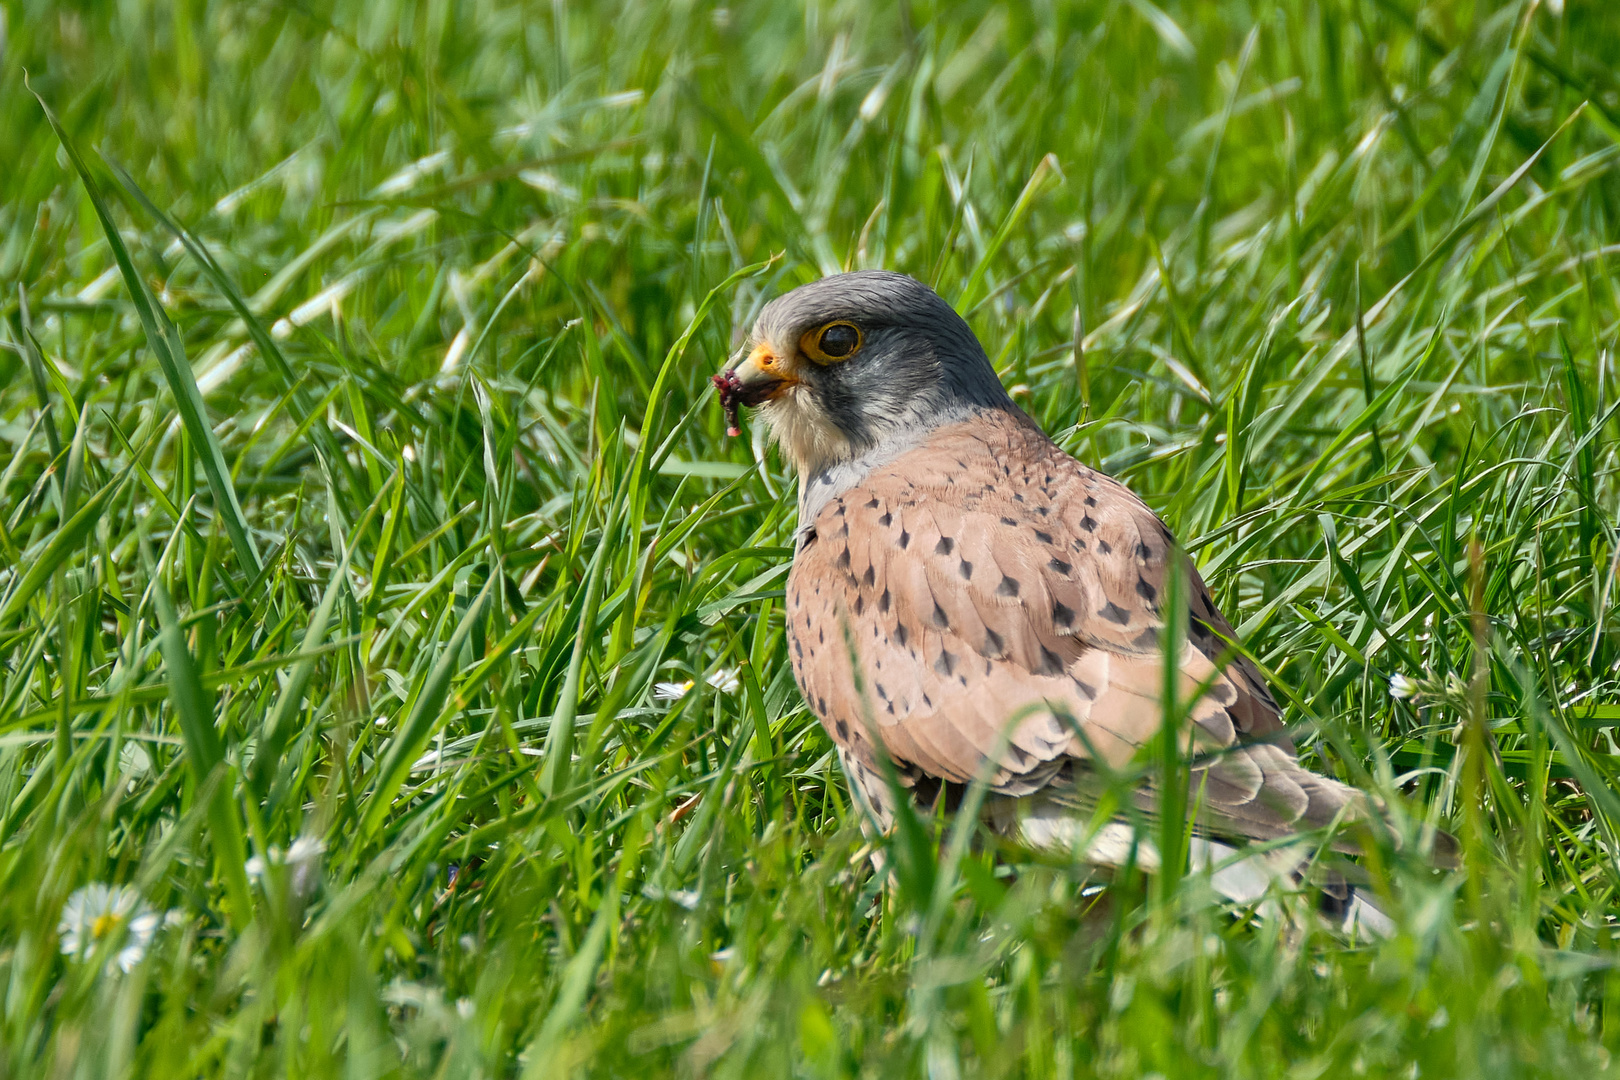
x=377 y=509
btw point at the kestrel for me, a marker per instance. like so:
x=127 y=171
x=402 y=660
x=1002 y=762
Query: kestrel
x=967 y=598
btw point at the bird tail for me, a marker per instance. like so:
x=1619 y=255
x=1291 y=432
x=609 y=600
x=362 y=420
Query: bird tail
x=1249 y=877
x=1246 y=878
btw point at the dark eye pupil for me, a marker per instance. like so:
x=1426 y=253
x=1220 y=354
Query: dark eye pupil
x=839 y=340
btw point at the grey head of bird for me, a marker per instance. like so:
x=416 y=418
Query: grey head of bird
x=858 y=363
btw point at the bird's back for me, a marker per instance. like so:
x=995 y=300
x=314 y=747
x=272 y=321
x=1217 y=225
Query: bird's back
x=983 y=601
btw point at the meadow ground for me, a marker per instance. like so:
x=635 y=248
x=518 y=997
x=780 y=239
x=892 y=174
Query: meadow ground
x=386 y=618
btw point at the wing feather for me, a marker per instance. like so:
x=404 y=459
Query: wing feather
x=985 y=579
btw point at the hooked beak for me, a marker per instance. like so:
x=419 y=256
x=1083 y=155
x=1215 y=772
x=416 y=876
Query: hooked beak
x=752 y=381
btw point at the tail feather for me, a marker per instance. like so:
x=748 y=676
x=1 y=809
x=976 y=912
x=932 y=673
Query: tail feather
x=1257 y=792
x=1243 y=876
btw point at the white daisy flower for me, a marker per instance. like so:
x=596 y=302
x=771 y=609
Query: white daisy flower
x=671 y=691
x=304 y=849
x=724 y=680
x=99 y=915
x=1401 y=687
x=303 y=859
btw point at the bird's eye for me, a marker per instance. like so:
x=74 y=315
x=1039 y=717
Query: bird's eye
x=835 y=341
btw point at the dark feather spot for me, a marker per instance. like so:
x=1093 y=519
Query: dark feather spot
x=1086 y=690
x=927 y=702
x=945 y=545
x=1009 y=521
x=871 y=504
x=1043 y=510
x=1058 y=566
x=1018 y=498
x=946 y=663
x=1088 y=523
x=843 y=730
x=1091 y=500
x=886 y=520
x=967 y=569
x=1147 y=639
x=1079 y=545
x=1144 y=552
x=941 y=620
x=1008 y=586
x=883 y=602
x=993 y=646
x=821 y=636
x=843 y=559
x=1104 y=548
x=860 y=604
x=1114 y=613
x=881 y=692
x=1062 y=616
x=905 y=539
x=901 y=634
x=1146 y=591
x=1043 y=537
x=1051 y=663
x=869 y=579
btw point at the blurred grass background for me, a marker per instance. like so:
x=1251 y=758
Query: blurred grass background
x=348 y=530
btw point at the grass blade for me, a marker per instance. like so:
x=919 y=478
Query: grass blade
x=422 y=718
x=164 y=340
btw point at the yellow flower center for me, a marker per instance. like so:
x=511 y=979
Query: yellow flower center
x=103 y=925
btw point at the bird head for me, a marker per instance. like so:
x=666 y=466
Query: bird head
x=849 y=363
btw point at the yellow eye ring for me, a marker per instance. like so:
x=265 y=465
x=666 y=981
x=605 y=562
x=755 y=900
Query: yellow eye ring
x=832 y=342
